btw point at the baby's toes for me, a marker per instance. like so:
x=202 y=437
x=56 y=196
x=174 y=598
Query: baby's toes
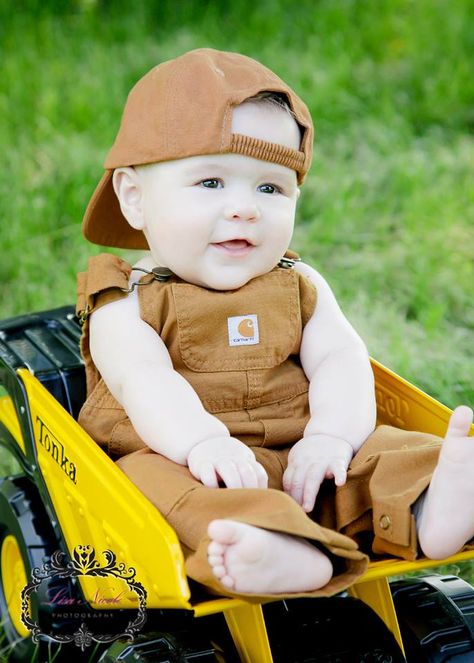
x=219 y=571
x=227 y=581
x=216 y=548
x=215 y=560
x=215 y=557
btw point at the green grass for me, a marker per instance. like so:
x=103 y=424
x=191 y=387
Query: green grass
x=55 y=653
x=387 y=212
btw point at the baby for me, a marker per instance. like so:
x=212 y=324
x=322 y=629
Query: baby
x=222 y=375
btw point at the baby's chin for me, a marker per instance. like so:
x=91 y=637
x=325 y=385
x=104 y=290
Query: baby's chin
x=224 y=280
x=224 y=284
x=225 y=275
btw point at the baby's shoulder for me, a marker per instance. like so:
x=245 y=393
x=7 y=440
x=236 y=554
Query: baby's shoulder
x=315 y=278
x=310 y=273
x=327 y=304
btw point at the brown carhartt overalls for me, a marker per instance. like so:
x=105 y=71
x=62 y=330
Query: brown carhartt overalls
x=252 y=380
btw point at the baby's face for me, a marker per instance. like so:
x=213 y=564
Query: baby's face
x=221 y=220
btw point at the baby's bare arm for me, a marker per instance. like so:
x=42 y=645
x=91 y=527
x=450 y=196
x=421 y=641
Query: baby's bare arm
x=341 y=398
x=336 y=362
x=135 y=364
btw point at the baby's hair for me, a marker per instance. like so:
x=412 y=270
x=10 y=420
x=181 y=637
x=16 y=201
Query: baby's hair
x=273 y=99
x=276 y=100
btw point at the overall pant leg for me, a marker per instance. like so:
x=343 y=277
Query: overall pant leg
x=390 y=472
x=189 y=507
x=374 y=508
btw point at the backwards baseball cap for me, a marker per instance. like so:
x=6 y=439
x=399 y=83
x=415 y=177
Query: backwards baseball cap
x=183 y=108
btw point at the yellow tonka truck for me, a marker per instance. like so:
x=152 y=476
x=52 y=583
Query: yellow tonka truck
x=90 y=571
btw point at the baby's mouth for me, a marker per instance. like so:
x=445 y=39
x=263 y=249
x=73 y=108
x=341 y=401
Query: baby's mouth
x=234 y=244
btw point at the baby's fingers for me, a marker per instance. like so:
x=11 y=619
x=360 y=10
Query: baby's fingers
x=242 y=474
x=247 y=475
x=207 y=475
x=230 y=473
x=337 y=469
x=302 y=483
x=262 y=476
x=293 y=482
x=314 y=478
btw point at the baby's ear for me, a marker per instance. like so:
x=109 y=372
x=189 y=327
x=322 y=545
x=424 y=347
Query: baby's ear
x=128 y=188
x=298 y=191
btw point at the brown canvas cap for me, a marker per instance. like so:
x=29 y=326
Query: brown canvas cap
x=182 y=108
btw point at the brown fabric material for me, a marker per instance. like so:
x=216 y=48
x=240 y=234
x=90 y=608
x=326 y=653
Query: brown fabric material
x=385 y=478
x=183 y=108
x=258 y=391
x=189 y=507
x=389 y=473
x=260 y=149
x=261 y=395
x=104 y=281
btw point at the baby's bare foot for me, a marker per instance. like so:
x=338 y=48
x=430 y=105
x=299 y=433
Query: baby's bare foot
x=446 y=521
x=253 y=560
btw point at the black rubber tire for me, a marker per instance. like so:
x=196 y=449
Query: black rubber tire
x=32 y=531
x=435 y=613
x=188 y=646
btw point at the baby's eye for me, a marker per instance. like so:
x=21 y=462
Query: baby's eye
x=211 y=183
x=269 y=188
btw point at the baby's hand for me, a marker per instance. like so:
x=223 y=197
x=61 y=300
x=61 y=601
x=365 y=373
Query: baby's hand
x=228 y=460
x=310 y=461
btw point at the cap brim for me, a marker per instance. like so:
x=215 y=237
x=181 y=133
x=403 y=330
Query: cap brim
x=104 y=223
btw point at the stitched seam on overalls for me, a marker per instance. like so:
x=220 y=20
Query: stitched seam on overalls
x=223 y=405
x=115 y=446
x=254 y=389
x=282 y=465
x=182 y=497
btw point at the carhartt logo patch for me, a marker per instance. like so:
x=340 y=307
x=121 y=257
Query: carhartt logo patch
x=243 y=330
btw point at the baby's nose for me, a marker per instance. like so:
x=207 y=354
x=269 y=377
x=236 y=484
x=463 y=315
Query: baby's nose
x=242 y=210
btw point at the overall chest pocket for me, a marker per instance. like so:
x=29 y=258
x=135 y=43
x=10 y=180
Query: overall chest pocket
x=255 y=327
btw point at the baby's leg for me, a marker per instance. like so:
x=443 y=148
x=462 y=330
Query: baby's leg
x=258 y=561
x=446 y=519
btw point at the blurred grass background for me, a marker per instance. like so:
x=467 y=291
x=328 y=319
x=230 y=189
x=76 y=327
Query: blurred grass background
x=387 y=213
